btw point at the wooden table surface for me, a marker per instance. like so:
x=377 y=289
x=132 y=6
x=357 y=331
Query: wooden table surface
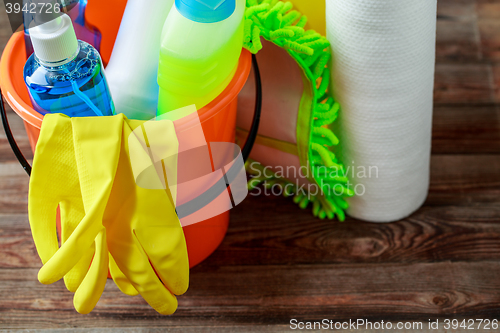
x=279 y=262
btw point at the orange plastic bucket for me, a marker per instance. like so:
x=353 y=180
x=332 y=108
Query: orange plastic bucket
x=218 y=120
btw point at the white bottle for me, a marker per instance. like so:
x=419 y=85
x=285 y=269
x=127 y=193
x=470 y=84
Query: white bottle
x=133 y=67
x=201 y=44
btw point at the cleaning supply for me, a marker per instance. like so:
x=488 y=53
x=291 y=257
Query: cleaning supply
x=295 y=150
x=65 y=75
x=133 y=66
x=383 y=74
x=76 y=11
x=201 y=43
x=147 y=249
x=55 y=183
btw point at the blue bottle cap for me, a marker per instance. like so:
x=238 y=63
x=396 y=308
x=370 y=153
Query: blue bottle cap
x=206 y=11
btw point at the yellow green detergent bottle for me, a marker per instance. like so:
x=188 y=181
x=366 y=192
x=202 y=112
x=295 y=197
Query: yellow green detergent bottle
x=200 y=47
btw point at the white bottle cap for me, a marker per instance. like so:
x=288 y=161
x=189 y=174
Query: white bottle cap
x=54 y=41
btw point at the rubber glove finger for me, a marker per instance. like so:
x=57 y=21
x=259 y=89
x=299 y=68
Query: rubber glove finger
x=75 y=276
x=72 y=212
x=80 y=240
x=166 y=249
x=49 y=180
x=92 y=286
x=120 y=279
x=134 y=263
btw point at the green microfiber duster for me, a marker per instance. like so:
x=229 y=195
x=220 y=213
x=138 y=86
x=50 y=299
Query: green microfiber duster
x=279 y=23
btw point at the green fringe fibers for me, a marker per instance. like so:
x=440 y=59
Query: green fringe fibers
x=279 y=23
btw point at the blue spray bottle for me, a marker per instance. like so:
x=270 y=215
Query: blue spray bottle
x=65 y=75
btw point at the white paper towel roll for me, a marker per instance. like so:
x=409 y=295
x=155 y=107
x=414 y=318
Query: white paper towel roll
x=383 y=77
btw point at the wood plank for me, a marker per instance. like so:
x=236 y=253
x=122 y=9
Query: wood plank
x=249 y=329
x=463 y=83
x=219 y=329
x=488 y=21
x=490 y=39
x=430 y=235
x=459 y=222
x=457 y=41
x=291 y=236
x=488 y=9
x=466 y=129
x=13 y=188
x=496 y=83
x=457 y=10
x=5 y=29
x=16 y=243
x=464 y=180
x=19 y=132
x=457 y=32
x=230 y=295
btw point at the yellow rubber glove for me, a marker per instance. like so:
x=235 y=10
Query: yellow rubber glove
x=143 y=240
x=55 y=182
x=145 y=236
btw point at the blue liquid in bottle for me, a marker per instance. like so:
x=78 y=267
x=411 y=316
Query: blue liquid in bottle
x=78 y=88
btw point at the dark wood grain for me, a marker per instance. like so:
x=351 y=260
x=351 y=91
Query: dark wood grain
x=463 y=83
x=13 y=188
x=430 y=235
x=466 y=129
x=279 y=262
x=488 y=19
x=461 y=213
x=457 y=41
x=457 y=33
x=236 y=295
x=260 y=238
x=19 y=133
x=490 y=38
x=465 y=180
x=457 y=10
x=496 y=84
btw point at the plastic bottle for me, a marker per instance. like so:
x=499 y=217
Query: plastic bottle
x=76 y=12
x=133 y=66
x=65 y=75
x=200 y=47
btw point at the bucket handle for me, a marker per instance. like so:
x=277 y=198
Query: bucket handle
x=13 y=144
x=246 y=150
x=215 y=191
